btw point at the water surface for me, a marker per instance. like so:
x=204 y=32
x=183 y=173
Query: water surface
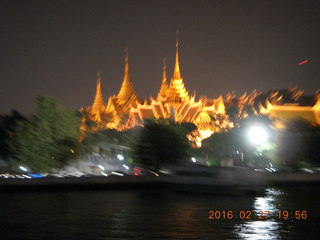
x=156 y=214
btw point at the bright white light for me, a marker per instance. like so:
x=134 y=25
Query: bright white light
x=125 y=166
x=193 y=160
x=257 y=135
x=116 y=173
x=23 y=168
x=104 y=174
x=101 y=167
x=120 y=157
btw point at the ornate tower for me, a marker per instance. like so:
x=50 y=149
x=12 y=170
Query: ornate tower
x=126 y=91
x=98 y=103
x=177 y=91
x=164 y=84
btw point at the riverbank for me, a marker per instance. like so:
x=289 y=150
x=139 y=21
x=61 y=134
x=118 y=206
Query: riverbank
x=224 y=178
x=82 y=183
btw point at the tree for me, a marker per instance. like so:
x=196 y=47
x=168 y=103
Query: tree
x=298 y=144
x=46 y=140
x=161 y=142
x=233 y=112
x=234 y=144
x=7 y=124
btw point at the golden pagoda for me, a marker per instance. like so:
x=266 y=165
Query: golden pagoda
x=126 y=110
x=176 y=92
x=114 y=114
x=173 y=101
x=126 y=97
x=98 y=105
x=164 y=84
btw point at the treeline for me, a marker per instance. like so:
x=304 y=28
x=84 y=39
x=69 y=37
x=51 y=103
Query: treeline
x=41 y=141
x=49 y=139
x=292 y=148
x=163 y=142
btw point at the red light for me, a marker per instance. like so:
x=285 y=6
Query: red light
x=136 y=174
x=136 y=169
x=303 y=62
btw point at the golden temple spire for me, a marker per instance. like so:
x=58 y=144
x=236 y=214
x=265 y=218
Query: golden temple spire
x=98 y=102
x=176 y=91
x=176 y=73
x=164 y=71
x=126 y=90
x=164 y=84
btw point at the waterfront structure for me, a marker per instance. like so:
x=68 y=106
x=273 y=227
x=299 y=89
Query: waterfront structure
x=126 y=110
x=114 y=113
x=304 y=108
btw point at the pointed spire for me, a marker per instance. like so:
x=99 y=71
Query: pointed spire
x=176 y=73
x=164 y=84
x=126 y=64
x=110 y=106
x=98 y=102
x=126 y=90
x=176 y=91
x=164 y=72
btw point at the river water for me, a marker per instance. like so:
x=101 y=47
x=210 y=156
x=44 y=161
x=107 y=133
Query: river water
x=159 y=214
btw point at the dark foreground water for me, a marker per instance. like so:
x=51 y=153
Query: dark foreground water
x=158 y=214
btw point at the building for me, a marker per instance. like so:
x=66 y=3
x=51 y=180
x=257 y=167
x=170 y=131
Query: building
x=126 y=110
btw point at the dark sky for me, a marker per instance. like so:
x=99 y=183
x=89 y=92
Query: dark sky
x=57 y=47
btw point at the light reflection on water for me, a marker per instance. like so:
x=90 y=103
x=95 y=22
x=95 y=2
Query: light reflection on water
x=155 y=214
x=266 y=228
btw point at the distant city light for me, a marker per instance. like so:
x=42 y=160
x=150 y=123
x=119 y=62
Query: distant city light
x=35 y=175
x=116 y=173
x=257 y=135
x=125 y=166
x=23 y=168
x=120 y=157
x=101 y=167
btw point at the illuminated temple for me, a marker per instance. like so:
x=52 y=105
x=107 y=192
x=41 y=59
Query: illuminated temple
x=126 y=110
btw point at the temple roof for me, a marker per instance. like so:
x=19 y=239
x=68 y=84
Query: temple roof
x=164 y=84
x=289 y=112
x=98 y=103
x=176 y=72
x=177 y=91
x=126 y=91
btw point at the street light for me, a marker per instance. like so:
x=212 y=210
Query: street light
x=120 y=157
x=257 y=135
x=23 y=168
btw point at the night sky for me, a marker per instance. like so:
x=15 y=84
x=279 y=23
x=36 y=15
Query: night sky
x=57 y=47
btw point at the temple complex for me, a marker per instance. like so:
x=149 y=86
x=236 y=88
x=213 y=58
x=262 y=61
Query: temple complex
x=115 y=113
x=126 y=110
